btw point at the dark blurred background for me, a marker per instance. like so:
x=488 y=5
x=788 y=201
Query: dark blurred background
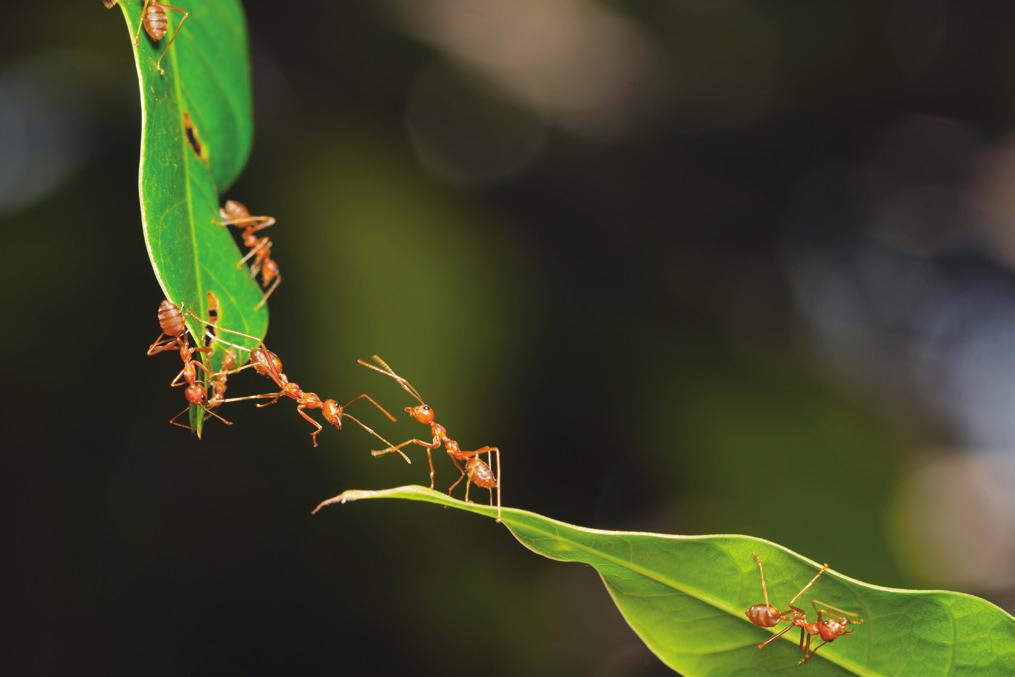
x=695 y=266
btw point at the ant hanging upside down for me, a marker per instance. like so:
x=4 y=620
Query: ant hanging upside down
x=235 y=213
x=174 y=330
x=476 y=471
x=831 y=628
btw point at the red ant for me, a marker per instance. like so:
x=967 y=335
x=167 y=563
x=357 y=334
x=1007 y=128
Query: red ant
x=476 y=470
x=155 y=22
x=267 y=364
x=767 y=616
x=174 y=328
x=235 y=213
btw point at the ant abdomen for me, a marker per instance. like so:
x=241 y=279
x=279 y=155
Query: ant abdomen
x=480 y=474
x=764 y=616
x=156 y=23
x=171 y=319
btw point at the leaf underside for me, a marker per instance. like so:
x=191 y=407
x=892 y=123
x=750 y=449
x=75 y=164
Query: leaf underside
x=197 y=130
x=685 y=597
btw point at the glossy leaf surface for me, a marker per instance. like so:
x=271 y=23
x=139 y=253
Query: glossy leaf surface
x=685 y=596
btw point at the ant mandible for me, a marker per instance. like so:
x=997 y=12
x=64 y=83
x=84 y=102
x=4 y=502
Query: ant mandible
x=235 y=213
x=767 y=616
x=476 y=470
x=155 y=22
x=268 y=364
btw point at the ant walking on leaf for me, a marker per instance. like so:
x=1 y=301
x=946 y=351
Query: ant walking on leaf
x=476 y=471
x=830 y=628
x=155 y=23
x=235 y=213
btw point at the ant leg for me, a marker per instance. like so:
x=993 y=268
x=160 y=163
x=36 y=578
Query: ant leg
x=398 y=449
x=253 y=250
x=300 y=410
x=476 y=452
x=261 y=222
x=377 y=435
x=804 y=589
x=172 y=421
x=158 y=345
x=176 y=382
x=271 y=290
x=807 y=652
x=212 y=413
x=137 y=35
x=217 y=328
x=179 y=26
x=499 y=484
x=387 y=371
x=460 y=478
x=807 y=658
x=262 y=396
x=764 y=588
x=776 y=636
x=825 y=606
x=373 y=402
x=176 y=379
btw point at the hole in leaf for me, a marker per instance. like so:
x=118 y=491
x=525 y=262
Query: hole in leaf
x=193 y=138
x=214 y=315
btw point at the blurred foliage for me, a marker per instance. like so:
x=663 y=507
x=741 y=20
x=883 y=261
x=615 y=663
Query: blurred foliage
x=758 y=277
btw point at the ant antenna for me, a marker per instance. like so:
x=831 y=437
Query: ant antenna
x=217 y=329
x=388 y=371
x=807 y=587
x=764 y=588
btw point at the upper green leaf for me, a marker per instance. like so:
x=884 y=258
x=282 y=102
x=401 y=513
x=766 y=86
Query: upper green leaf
x=196 y=135
x=686 y=596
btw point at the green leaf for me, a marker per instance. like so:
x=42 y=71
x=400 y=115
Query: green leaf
x=197 y=129
x=685 y=596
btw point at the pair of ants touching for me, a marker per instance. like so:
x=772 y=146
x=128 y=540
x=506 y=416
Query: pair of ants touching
x=829 y=626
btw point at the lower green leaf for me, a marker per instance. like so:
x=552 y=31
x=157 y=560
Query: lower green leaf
x=685 y=597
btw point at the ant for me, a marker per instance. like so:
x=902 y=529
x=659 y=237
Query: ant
x=767 y=616
x=174 y=329
x=268 y=364
x=235 y=213
x=476 y=470
x=155 y=22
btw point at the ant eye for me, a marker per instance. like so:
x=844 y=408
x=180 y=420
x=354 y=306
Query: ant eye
x=425 y=408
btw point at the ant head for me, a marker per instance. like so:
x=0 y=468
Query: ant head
x=422 y=413
x=831 y=629
x=234 y=209
x=269 y=271
x=332 y=411
x=195 y=393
